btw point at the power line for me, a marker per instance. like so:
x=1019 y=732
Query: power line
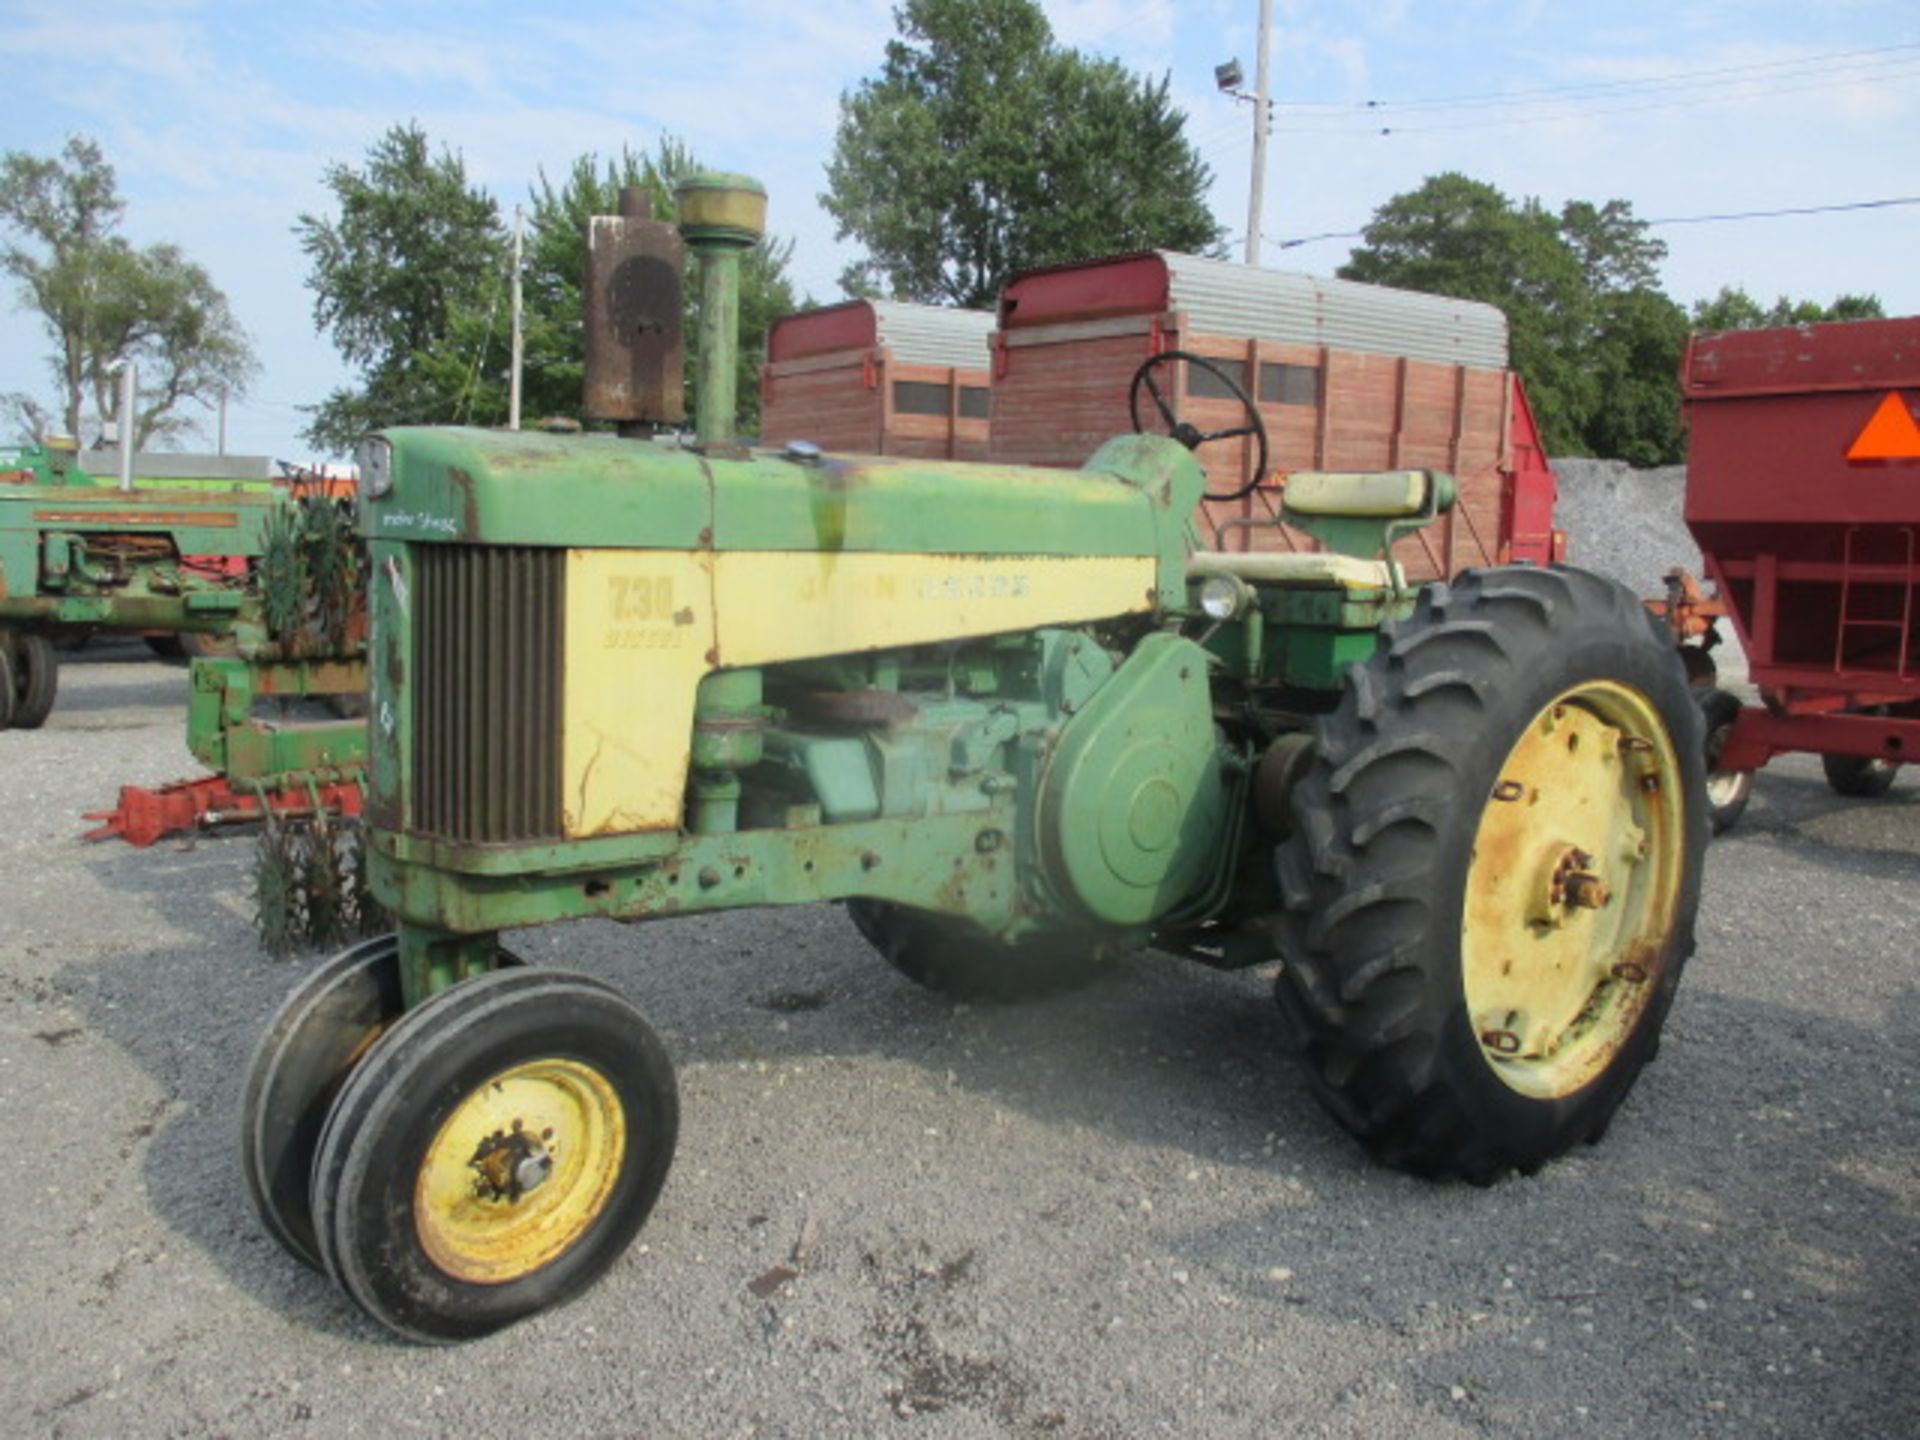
x=1793 y=210
x=1601 y=87
x=1296 y=242
x=1577 y=113
x=1161 y=11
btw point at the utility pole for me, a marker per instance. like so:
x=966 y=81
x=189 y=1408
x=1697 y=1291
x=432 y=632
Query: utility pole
x=1261 y=121
x=513 y=380
x=223 y=419
x=128 y=392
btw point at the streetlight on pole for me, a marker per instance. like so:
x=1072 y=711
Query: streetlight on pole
x=1229 y=78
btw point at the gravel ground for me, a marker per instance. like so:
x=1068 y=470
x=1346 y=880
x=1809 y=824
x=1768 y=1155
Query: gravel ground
x=1113 y=1214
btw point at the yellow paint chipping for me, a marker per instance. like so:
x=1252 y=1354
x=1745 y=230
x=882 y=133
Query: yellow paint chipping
x=639 y=629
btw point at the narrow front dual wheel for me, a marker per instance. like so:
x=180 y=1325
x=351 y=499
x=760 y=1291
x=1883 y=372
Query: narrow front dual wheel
x=1495 y=866
x=484 y=1156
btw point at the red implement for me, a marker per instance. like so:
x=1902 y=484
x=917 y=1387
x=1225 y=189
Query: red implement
x=145 y=816
x=1803 y=491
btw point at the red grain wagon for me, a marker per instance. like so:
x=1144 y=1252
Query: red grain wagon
x=879 y=377
x=1803 y=492
x=1345 y=377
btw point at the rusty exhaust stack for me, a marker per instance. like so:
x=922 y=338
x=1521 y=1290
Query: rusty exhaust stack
x=721 y=216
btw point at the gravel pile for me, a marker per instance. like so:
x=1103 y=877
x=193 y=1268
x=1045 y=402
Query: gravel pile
x=1625 y=522
x=1628 y=523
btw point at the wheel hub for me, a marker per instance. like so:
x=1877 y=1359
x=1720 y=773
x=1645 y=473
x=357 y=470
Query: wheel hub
x=520 y=1171
x=509 y=1165
x=1572 y=888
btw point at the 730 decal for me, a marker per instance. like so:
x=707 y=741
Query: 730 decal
x=641 y=615
x=641 y=598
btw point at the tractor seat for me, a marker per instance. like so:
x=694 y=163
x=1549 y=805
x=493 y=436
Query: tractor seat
x=1294 y=567
x=1347 y=511
x=1372 y=494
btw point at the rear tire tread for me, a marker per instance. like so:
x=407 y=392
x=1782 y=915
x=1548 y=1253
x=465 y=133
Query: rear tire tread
x=1394 y=756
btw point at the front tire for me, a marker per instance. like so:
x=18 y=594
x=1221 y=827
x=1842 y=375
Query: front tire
x=301 y=1060
x=36 y=680
x=1491 y=886
x=494 y=1154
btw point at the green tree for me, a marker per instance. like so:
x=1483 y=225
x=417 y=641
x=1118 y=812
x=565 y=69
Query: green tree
x=415 y=256
x=1596 y=339
x=1462 y=237
x=437 y=348
x=102 y=300
x=1734 y=309
x=556 y=265
x=1615 y=251
x=473 y=356
x=984 y=148
x=1634 y=359
x=1632 y=351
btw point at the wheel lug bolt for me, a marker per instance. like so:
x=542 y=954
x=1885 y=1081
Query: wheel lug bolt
x=1589 y=892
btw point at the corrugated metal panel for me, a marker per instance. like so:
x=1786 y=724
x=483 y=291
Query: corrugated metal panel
x=1221 y=298
x=934 y=334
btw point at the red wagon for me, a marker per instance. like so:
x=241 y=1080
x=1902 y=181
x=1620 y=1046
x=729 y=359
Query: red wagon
x=879 y=377
x=1343 y=376
x=1803 y=492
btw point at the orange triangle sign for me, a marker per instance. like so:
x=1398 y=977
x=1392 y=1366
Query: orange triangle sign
x=1892 y=433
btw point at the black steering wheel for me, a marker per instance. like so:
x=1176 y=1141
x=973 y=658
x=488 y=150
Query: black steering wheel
x=1192 y=436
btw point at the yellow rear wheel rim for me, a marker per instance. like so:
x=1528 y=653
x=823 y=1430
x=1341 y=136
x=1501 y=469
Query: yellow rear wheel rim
x=1572 y=889
x=520 y=1171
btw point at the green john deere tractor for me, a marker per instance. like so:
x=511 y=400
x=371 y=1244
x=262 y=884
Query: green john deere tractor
x=1020 y=725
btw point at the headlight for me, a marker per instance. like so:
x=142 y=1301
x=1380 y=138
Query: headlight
x=374 y=456
x=1224 y=597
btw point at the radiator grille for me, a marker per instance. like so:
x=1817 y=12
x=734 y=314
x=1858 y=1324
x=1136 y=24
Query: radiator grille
x=487 y=664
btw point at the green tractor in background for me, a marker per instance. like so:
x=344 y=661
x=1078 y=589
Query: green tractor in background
x=199 y=567
x=1020 y=724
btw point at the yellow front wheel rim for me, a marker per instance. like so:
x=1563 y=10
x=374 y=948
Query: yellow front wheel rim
x=520 y=1171
x=1572 y=889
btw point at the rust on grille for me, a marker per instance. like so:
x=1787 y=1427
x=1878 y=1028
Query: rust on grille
x=487 y=662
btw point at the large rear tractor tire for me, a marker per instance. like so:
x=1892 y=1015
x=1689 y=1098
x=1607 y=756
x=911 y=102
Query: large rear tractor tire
x=956 y=959
x=493 y=1154
x=1491 y=885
